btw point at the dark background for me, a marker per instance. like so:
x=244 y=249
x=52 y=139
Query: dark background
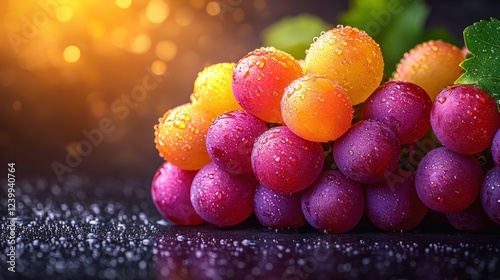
x=46 y=103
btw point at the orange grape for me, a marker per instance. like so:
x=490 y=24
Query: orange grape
x=432 y=65
x=180 y=136
x=349 y=57
x=316 y=109
x=213 y=89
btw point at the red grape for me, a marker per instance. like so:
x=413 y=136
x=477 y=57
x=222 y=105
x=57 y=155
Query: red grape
x=367 y=152
x=170 y=191
x=230 y=140
x=447 y=181
x=394 y=206
x=278 y=210
x=465 y=118
x=333 y=203
x=402 y=106
x=222 y=198
x=284 y=162
x=490 y=194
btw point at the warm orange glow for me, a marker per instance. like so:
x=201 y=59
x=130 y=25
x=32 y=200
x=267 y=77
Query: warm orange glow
x=95 y=29
x=119 y=37
x=197 y=4
x=71 y=54
x=184 y=17
x=157 y=11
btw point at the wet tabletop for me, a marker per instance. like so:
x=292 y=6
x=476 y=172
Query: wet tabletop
x=109 y=229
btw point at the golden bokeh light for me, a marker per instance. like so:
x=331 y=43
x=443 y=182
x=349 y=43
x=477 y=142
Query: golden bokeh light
x=157 y=11
x=140 y=44
x=124 y=4
x=71 y=54
x=64 y=13
x=120 y=37
x=158 y=67
x=95 y=29
x=213 y=8
x=166 y=50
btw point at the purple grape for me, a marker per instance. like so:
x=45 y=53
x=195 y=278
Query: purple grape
x=403 y=106
x=333 y=203
x=367 y=152
x=230 y=140
x=447 y=181
x=278 y=210
x=465 y=118
x=222 y=198
x=490 y=194
x=472 y=219
x=170 y=191
x=394 y=206
x=284 y=162
x=495 y=148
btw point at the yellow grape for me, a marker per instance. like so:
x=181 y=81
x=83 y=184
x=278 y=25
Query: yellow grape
x=213 y=89
x=180 y=136
x=316 y=109
x=349 y=57
x=432 y=65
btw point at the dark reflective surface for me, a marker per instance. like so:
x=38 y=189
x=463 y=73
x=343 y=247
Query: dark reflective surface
x=109 y=229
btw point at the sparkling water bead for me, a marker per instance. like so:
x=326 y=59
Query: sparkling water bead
x=350 y=57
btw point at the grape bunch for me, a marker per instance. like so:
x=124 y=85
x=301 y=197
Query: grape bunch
x=329 y=142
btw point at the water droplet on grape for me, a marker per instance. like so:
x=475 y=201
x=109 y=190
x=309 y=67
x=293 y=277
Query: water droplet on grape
x=277 y=158
x=180 y=124
x=338 y=51
x=261 y=64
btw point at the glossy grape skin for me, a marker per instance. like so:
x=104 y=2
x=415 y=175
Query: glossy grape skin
x=180 y=136
x=259 y=80
x=465 y=119
x=367 y=152
x=284 y=162
x=230 y=140
x=213 y=89
x=490 y=194
x=221 y=198
x=471 y=219
x=447 y=181
x=404 y=107
x=333 y=203
x=170 y=191
x=495 y=148
x=316 y=109
x=394 y=206
x=278 y=210
x=432 y=65
x=350 y=57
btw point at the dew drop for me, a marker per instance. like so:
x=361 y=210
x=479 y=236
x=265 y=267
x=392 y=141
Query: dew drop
x=261 y=64
x=276 y=158
x=180 y=124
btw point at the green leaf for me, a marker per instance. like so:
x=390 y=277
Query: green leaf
x=294 y=34
x=483 y=67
